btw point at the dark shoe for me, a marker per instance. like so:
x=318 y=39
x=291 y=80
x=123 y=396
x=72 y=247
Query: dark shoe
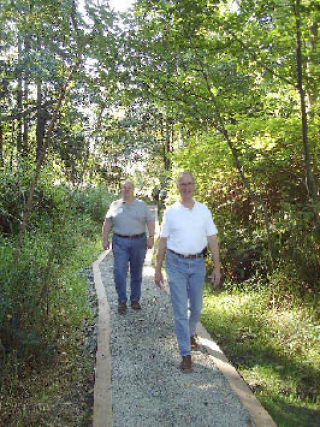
x=122 y=307
x=193 y=343
x=135 y=305
x=186 y=364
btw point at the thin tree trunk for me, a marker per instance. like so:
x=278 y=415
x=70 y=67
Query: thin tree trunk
x=25 y=136
x=311 y=184
x=163 y=142
x=62 y=94
x=1 y=145
x=257 y=199
x=41 y=120
x=312 y=93
x=19 y=97
x=40 y=160
x=219 y=125
x=167 y=150
x=312 y=61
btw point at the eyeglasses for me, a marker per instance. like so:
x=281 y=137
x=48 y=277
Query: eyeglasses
x=184 y=184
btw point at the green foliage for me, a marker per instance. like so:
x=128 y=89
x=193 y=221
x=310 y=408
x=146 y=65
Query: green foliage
x=243 y=236
x=276 y=348
x=298 y=245
x=227 y=75
x=243 y=255
x=94 y=202
x=38 y=288
x=49 y=201
x=58 y=371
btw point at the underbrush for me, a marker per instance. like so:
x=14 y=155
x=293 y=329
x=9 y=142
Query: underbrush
x=46 y=365
x=274 y=346
x=54 y=384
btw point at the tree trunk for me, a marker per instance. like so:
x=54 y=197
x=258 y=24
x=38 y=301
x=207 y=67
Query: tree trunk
x=19 y=98
x=1 y=145
x=41 y=120
x=40 y=160
x=312 y=59
x=25 y=136
x=163 y=142
x=219 y=126
x=47 y=140
x=167 y=163
x=311 y=184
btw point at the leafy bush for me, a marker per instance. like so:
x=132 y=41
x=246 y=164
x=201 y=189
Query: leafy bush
x=33 y=287
x=93 y=201
x=298 y=246
x=48 y=200
x=244 y=254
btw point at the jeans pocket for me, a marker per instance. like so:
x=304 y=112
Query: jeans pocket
x=172 y=262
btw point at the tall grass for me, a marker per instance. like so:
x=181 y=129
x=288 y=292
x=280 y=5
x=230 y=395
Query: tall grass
x=275 y=347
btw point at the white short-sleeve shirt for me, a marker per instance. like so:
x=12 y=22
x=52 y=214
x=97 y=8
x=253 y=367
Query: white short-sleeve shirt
x=187 y=229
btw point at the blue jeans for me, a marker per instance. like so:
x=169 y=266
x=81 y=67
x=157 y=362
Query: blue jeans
x=128 y=252
x=186 y=280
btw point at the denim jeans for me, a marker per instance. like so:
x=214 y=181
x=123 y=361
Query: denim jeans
x=127 y=252
x=186 y=280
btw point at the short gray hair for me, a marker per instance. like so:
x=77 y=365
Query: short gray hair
x=181 y=174
x=127 y=181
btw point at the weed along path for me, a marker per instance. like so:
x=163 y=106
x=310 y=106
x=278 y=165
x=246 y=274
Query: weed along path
x=138 y=382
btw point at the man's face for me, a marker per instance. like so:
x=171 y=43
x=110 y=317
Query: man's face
x=186 y=186
x=127 y=189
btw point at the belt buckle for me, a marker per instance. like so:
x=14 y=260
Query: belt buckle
x=188 y=256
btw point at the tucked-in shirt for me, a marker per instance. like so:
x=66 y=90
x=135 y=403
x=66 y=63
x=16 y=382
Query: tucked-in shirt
x=129 y=218
x=187 y=229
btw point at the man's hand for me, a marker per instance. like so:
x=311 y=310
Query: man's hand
x=158 y=279
x=216 y=277
x=150 y=242
x=105 y=233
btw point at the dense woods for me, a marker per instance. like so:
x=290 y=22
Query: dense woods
x=226 y=89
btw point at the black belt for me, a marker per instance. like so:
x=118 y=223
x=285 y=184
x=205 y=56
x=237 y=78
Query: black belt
x=199 y=255
x=133 y=236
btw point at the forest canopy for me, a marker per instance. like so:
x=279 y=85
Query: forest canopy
x=226 y=89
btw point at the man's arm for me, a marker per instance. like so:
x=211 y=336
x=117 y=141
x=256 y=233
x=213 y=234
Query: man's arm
x=214 y=248
x=105 y=233
x=151 y=228
x=162 y=248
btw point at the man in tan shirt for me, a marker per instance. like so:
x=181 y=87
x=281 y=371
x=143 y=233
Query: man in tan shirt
x=129 y=218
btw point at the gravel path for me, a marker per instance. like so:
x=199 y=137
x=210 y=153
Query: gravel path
x=148 y=388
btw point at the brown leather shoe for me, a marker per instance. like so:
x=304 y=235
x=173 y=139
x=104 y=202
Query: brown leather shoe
x=193 y=343
x=122 y=307
x=135 y=305
x=186 y=364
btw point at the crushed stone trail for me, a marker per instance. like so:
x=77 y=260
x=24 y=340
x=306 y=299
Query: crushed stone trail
x=148 y=388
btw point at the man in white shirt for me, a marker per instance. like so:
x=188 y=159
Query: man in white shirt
x=187 y=230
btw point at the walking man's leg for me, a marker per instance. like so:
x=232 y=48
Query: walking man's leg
x=138 y=250
x=196 y=284
x=120 y=266
x=178 y=282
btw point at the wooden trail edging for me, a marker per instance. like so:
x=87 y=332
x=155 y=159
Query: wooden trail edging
x=257 y=412
x=102 y=407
